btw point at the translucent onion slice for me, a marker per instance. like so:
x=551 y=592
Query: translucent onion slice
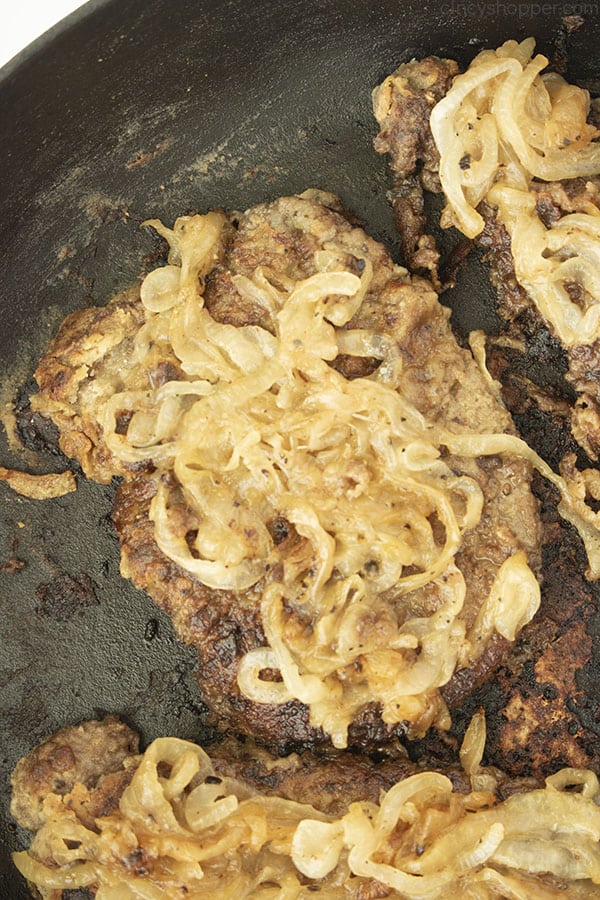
x=316 y=847
x=159 y=290
x=256 y=688
x=212 y=573
x=448 y=143
x=205 y=807
x=554 y=163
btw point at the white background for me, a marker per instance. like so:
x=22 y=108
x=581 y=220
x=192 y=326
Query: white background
x=27 y=20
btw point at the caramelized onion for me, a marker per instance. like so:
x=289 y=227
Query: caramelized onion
x=210 y=837
x=516 y=125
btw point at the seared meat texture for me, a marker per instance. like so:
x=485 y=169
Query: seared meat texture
x=86 y=754
x=88 y=361
x=441 y=381
x=330 y=783
x=402 y=105
x=108 y=747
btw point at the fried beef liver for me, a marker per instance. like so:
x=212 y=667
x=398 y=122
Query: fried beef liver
x=442 y=381
x=541 y=705
x=107 y=755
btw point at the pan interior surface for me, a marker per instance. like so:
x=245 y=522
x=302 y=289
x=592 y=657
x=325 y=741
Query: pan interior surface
x=133 y=110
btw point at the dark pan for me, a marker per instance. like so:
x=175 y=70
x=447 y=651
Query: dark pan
x=139 y=108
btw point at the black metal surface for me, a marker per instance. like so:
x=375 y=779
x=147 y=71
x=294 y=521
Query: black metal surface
x=141 y=108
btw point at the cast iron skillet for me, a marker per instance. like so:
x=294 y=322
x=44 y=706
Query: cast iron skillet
x=140 y=108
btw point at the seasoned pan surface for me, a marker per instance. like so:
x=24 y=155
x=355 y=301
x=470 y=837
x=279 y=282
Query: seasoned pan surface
x=136 y=109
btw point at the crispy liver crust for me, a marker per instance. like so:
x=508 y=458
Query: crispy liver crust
x=402 y=104
x=84 y=754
